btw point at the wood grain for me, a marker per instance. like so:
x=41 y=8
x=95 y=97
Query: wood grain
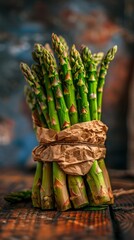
x=22 y=222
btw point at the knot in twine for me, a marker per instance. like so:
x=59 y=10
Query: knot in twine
x=75 y=148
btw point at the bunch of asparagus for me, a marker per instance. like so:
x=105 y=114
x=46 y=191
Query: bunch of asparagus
x=60 y=96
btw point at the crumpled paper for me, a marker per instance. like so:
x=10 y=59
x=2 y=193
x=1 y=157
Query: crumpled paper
x=75 y=148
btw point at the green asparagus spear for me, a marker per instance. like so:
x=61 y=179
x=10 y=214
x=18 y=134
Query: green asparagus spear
x=30 y=98
x=97 y=60
x=94 y=177
x=38 y=174
x=91 y=79
x=101 y=80
x=63 y=41
x=35 y=58
x=66 y=78
x=48 y=47
x=98 y=57
x=46 y=189
x=90 y=66
x=37 y=69
x=76 y=184
x=34 y=82
x=59 y=177
x=79 y=81
x=36 y=199
x=55 y=83
x=39 y=197
x=54 y=121
x=33 y=104
x=18 y=196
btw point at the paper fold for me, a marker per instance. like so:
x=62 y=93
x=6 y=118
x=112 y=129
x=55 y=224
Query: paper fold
x=75 y=148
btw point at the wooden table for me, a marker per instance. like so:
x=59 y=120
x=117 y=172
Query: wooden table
x=21 y=221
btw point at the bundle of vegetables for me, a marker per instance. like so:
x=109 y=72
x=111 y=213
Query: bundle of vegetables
x=60 y=97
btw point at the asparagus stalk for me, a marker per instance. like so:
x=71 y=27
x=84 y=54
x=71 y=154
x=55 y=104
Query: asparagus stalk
x=34 y=83
x=48 y=47
x=91 y=79
x=63 y=41
x=94 y=177
x=76 y=184
x=36 y=199
x=18 y=196
x=59 y=177
x=47 y=169
x=34 y=107
x=38 y=174
x=101 y=80
x=35 y=58
x=42 y=191
x=55 y=83
x=97 y=60
x=90 y=66
x=54 y=121
x=67 y=81
x=79 y=81
x=37 y=69
x=46 y=189
x=98 y=57
x=102 y=166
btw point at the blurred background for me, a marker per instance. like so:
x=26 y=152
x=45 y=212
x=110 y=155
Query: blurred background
x=99 y=25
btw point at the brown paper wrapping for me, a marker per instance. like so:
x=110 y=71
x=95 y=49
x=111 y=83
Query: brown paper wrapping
x=74 y=148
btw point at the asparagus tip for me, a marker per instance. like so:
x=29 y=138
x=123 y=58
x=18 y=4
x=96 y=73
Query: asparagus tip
x=24 y=68
x=110 y=54
x=55 y=37
x=83 y=46
x=38 y=47
x=53 y=34
x=115 y=48
x=22 y=65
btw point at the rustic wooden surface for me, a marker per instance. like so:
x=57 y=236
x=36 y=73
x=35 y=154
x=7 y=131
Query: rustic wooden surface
x=22 y=222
